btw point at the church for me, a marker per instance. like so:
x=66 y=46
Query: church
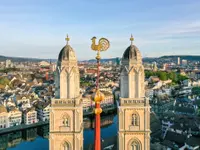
x=134 y=109
x=66 y=113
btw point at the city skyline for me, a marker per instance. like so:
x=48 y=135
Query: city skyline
x=38 y=29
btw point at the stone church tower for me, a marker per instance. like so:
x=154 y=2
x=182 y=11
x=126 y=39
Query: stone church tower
x=66 y=115
x=134 y=109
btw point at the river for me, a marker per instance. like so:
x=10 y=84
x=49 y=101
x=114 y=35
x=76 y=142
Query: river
x=37 y=138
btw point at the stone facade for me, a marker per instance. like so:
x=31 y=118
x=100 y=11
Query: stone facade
x=134 y=109
x=66 y=114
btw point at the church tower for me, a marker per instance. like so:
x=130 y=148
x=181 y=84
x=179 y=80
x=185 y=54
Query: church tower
x=66 y=115
x=134 y=109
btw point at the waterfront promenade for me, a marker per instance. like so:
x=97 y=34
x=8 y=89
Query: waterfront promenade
x=40 y=123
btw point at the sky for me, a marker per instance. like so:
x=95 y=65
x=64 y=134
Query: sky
x=37 y=28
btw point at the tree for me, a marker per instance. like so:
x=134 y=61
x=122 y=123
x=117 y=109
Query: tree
x=162 y=75
x=181 y=77
x=196 y=90
x=4 y=81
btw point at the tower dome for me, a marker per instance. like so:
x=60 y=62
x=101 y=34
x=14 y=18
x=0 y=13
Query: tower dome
x=132 y=53
x=67 y=52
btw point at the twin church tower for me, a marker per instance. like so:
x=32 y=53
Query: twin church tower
x=66 y=114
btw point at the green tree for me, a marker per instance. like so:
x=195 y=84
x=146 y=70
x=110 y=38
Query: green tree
x=4 y=81
x=181 y=77
x=162 y=75
x=196 y=90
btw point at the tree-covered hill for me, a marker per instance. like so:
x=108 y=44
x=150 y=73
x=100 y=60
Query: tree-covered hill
x=23 y=59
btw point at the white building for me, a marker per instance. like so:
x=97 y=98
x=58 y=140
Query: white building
x=30 y=116
x=44 y=63
x=108 y=99
x=9 y=63
x=163 y=91
x=14 y=116
x=196 y=83
x=87 y=102
x=178 y=61
x=42 y=111
x=3 y=117
x=184 y=62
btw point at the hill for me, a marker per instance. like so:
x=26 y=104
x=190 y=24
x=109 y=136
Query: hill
x=187 y=57
x=146 y=59
x=23 y=59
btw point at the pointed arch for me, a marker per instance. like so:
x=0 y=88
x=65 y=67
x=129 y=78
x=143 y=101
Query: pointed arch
x=124 y=70
x=134 y=144
x=135 y=119
x=65 y=120
x=65 y=145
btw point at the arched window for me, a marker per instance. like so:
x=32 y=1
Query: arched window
x=66 y=146
x=66 y=121
x=135 y=120
x=135 y=145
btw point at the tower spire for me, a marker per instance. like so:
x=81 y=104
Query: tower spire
x=131 y=39
x=67 y=39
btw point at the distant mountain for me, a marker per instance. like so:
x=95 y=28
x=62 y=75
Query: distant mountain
x=102 y=60
x=187 y=57
x=24 y=59
x=146 y=59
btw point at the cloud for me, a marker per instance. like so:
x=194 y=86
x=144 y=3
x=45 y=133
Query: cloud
x=184 y=28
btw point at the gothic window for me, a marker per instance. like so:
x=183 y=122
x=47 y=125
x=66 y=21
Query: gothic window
x=135 y=120
x=135 y=145
x=66 y=146
x=66 y=121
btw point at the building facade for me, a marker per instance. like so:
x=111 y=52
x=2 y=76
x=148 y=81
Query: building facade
x=3 y=117
x=66 y=113
x=14 y=116
x=134 y=109
x=29 y=116
x=42 y=109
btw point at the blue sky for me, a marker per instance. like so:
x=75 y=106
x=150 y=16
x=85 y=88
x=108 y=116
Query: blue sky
x=37 y=28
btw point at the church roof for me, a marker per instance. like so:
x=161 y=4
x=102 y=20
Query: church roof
x=66 y=53
x=132 y=52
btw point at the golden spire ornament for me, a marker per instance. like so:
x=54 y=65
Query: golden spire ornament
x=67 y=39
x=103 y=45
x=131 y=39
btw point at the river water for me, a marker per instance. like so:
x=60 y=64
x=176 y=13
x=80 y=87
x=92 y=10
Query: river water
x=37 y=138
